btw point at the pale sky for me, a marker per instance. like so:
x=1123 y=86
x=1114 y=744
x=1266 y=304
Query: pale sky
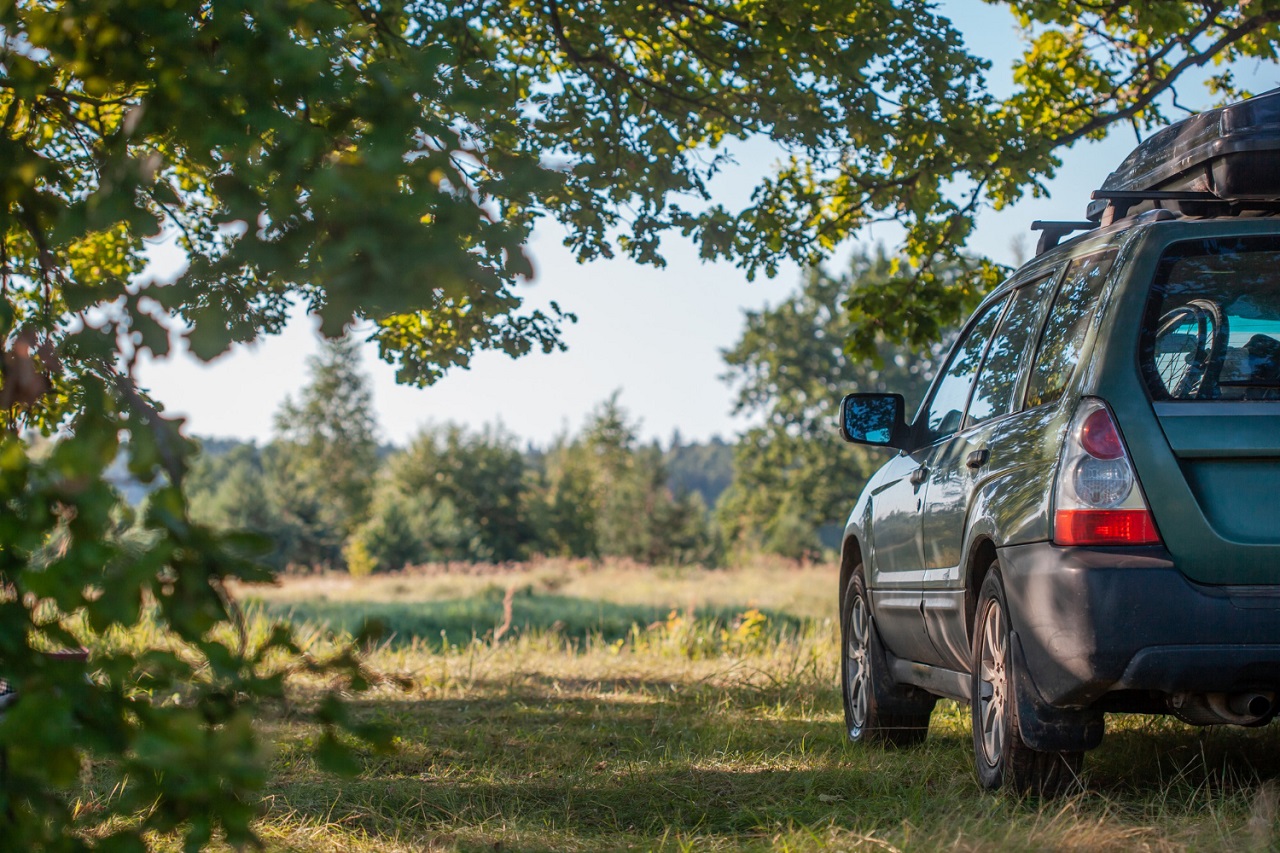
x=654 y=334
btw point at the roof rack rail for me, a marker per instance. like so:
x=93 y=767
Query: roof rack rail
x=1052 y=231
x=1119 y=201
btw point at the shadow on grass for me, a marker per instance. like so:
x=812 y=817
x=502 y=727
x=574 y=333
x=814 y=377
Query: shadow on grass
x=602 y=764
x=539 y=761
x=1140 y=753
x=457 y=621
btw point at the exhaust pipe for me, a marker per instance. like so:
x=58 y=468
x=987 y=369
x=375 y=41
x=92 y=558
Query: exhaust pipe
x=1248 y=708
x=1254 y=705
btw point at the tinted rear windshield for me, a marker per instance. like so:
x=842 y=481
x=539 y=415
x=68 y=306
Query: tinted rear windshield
x=1212 y=326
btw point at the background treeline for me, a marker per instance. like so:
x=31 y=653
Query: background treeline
x=329 y=495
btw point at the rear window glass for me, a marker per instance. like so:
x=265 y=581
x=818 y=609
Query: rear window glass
x=1064 y=331
x=1212 y=325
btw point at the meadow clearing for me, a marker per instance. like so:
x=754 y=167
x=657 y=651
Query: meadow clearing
x=626 y=707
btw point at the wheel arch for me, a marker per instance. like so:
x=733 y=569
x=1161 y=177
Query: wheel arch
x=982 y=556
x=850 y=558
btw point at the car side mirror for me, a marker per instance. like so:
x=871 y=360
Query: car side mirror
x=876 y=419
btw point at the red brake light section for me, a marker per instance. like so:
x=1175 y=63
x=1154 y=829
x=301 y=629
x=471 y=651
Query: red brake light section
x=1104 y=527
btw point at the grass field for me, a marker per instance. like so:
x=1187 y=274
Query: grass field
x=630 y=708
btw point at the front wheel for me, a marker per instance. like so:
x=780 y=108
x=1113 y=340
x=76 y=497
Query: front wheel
x=1000 y=754
x=875 y=709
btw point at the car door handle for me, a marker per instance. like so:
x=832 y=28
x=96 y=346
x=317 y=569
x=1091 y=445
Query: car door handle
x=977 y=459
x=919 y=475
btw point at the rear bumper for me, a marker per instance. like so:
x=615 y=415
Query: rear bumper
x=1095 y=620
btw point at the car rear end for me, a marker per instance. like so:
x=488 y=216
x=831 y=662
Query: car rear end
x=1163 y=592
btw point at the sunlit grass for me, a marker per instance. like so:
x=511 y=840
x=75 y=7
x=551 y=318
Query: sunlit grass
x=688 y=732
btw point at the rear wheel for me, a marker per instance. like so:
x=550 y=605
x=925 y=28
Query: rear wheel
x=875 y=709
x=1001 y=756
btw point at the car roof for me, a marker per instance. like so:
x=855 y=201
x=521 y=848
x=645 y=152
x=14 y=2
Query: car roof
x=1121 y=232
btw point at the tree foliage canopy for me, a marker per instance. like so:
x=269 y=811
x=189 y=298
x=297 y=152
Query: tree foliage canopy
x=387 y=162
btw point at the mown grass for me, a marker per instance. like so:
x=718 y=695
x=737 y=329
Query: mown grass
x=688 y=733
x=439 y=624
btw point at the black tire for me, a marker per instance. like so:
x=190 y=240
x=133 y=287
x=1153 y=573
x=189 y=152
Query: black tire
x=1000 y=755
x=875 y=709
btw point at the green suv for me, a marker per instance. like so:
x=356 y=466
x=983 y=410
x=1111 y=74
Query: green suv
x=1084 y=514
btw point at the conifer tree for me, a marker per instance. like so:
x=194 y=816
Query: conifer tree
x=321 y=467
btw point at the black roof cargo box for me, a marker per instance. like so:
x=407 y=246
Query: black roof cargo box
x=1232 y=152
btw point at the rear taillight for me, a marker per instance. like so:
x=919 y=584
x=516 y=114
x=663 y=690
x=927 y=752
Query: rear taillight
x=1097 y=499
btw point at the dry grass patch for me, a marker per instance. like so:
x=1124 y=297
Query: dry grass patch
x=715 y=733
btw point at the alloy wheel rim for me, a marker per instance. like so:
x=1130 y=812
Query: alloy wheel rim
x=857 y=683
x=993 y=684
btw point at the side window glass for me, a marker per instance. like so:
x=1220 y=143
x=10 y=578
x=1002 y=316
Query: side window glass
x=993 y=394
x=1064 y=330
x=946 y=408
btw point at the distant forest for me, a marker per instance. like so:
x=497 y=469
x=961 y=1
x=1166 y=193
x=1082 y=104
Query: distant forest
x=324 y=492
x=691 y=466
x=455 y=495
